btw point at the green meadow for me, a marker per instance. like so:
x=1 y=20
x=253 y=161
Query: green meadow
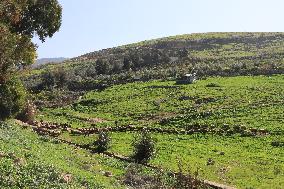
x=238 y=121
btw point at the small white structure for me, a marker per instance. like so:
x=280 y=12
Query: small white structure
x=187 y=79
x=191 y=77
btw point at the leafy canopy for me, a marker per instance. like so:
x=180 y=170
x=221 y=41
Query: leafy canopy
x=20 y=21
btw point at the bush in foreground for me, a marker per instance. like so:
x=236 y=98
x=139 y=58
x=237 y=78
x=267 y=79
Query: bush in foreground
x=184 y=180
x=102 y=142
x=33 y=175
x=144 y=147
x=137 y=176
x=13 y=97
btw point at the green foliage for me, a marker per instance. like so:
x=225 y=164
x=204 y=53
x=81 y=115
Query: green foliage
x=102 y=66
x=30 y=161
x=144 y=147
x=103 y=142
x=16 y=51
x=60 y=77
x=42 y=17
x=137 y=176
x=223 y=118
x=19 y=22
x=235 y=121
x=187 y=180
x=13 y=98
x=127 y=63
x=116 y=67
x=217 y=54
x=53 y=78
x=48 y=80
x=34 y=175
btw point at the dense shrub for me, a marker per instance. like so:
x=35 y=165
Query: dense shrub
x=54 y=78
x=48 y=79
x=60 y=76
x=91 y=71
x=102 y=66
x=127 y=63
x=144 y=147
x=137 y=176
x=33 y=175
x=187 y=180
x=12 y=98
x=103 y=142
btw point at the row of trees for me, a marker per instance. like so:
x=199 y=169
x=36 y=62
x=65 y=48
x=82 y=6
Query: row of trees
x=135 y=60
x=92 y=76
x=20 y=21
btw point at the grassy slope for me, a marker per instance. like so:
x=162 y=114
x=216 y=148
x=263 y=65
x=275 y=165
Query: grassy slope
x=210 y=54
x=42 y=159
x=211 y=48
x=255 y=102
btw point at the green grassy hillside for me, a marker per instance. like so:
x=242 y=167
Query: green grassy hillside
x=237 y=122
x=228 y=125
x=31 y=161
x=210 y=54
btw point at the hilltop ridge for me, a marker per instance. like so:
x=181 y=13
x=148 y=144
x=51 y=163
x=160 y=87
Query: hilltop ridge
x=195 y=41
x=209 y=54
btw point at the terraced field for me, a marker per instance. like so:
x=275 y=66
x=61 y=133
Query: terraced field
x=231 y=129
x=209 y=54
x=31 y=161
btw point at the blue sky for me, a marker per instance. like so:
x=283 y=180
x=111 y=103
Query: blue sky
x=90 y=25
